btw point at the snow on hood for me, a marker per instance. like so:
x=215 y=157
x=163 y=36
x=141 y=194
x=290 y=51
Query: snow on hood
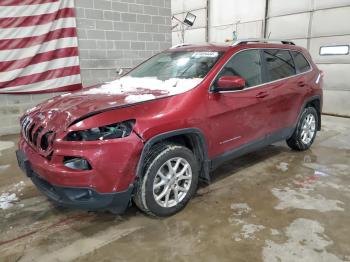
x=127 y=84
x=139 y=98
x=62 y=110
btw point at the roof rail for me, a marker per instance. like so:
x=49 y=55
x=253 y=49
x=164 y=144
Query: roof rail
x=180 y=45
x=261 y=40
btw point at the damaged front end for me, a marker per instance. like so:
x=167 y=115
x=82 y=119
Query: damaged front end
x=113 y=131
x=90 y=164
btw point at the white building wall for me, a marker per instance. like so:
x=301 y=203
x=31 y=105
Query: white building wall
x=197 y=33
x=312 y=24
x=309 y=23
x=224 y=17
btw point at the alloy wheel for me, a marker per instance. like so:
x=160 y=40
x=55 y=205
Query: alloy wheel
x=172 y=182
x=308 y=129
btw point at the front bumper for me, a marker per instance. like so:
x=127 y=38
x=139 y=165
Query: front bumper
x=113 y=163
x=76 y=197
x=107 y=185
x=84 y=198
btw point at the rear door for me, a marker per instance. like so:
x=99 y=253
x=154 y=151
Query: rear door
x=284 y=89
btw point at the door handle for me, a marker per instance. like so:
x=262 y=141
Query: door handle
x=262 y=95
x=301 y=83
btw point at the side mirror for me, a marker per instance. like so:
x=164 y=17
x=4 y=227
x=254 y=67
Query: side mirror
x=230 y=83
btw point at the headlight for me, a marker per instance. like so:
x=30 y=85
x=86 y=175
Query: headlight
x=118 y=130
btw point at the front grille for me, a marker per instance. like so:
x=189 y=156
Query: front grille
x=36 y=134
x=30 y=133
x=45 y=142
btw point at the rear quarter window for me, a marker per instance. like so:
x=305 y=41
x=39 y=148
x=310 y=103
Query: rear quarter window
x=301 y=63
x=279 y=64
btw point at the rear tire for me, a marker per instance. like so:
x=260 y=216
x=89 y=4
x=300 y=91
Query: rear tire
x=305 y=132
x=169 y=180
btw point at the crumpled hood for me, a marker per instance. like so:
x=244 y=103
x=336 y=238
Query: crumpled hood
x=62 y=110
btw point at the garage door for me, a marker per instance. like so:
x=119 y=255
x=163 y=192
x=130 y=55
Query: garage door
x=322 y=26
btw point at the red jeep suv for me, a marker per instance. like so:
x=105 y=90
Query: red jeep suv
x=151 y=135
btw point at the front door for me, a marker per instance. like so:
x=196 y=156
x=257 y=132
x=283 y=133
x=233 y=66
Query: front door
x=239 y=117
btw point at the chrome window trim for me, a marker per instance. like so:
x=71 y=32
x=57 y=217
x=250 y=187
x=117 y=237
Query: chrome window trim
x=318 y=78
x=263 y=84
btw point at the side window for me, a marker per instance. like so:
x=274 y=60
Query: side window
x=245 y=64
x=279 y=64
x=300 y=61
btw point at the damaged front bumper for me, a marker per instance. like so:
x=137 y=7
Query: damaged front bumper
x=76 y=197
x=108 y=185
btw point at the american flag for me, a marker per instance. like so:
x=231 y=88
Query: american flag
x=38 y=46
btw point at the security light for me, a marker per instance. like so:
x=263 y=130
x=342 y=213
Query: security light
x=188 y=22
x=189 y=19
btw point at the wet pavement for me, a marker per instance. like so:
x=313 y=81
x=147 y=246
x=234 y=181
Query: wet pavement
x=271 y=205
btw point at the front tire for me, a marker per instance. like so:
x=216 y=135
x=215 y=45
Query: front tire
x=170 y=180
x=305 y=132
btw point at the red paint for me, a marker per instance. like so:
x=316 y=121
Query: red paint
x=39 y=58
x=7 y=44
x=231 y=82
x=12 y=22
x=49 y=74
x=25 y=2
x=248 y=115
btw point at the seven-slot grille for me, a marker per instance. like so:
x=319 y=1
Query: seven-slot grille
x=36 y=135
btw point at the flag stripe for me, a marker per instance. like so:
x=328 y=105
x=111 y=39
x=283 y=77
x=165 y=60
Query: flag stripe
x=49 y=74
x=28 y=31
x=39 y=68
x=52 y=84
x=38 y=46
x=10 y=55
x=25 y=2
x=7 y=44
x=12 y=22
x=37 y=9
x=47 y=56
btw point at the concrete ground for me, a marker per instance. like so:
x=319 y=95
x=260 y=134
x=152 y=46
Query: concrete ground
x=271 y=205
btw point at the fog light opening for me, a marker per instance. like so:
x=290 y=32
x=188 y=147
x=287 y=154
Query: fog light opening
x=76 y=163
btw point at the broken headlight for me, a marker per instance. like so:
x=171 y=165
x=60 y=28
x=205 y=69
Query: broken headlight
x=119 y=130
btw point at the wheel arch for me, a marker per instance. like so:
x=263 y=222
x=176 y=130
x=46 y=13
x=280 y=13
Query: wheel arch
x=315 y=102
x=192 y=138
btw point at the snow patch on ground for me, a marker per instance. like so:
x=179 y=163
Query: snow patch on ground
x=18 y=186
x=301 y=199
x=240 y=208
x=274 y=232
x=129 y=84
x=248 y=230
x=282 y=166
x=139 y=98
x=7 y=199
x=306 y=242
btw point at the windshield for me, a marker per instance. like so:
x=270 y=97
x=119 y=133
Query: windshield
x=180 y=64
